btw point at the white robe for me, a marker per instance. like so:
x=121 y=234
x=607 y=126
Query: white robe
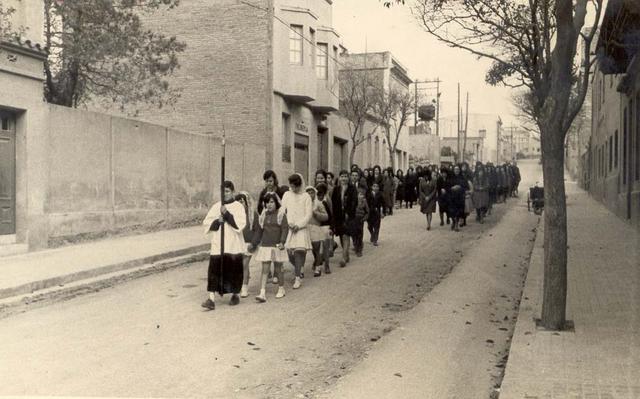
x=233 y=238
x=298 y=208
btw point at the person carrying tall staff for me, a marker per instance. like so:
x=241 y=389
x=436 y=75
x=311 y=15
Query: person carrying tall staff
x=225 y=221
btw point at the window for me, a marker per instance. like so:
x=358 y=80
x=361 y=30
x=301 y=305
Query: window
x=295 y=44
x=615 y=151
x=625 y=141
x=286 y=138
x=312 y=35
x=637 y=131
x=322 y=61
x=610 y=153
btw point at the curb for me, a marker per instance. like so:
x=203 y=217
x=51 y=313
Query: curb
x=30 y=288
x=21 y=303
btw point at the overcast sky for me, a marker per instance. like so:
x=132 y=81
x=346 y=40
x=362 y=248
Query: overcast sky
x=395 y=30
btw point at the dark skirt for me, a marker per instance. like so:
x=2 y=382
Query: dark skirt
x=354 y=226
x=225 y=278
x=428 y=206
x=456 y=204
x=481 y=199
x=400 y=192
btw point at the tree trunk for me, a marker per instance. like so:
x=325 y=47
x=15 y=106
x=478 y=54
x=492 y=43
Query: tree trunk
x=555 y=230
x=391 y=159
x=352 y=155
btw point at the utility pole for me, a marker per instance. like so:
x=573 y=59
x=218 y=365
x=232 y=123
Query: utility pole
x=438 y=106
x=458 y=135
x=466 y=125
x=415 y=113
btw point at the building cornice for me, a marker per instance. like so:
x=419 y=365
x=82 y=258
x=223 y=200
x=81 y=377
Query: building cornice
x=300 y=10
x=25 y=48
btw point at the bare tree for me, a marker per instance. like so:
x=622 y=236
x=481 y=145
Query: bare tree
x=393 y=108
x=357 y=103
x=532 y=45
x=6 y=28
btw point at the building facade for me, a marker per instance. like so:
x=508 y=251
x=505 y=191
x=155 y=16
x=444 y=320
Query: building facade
x=384 y=72
x=424 y=146
x=612 y=163
x=487 y=126
x=22 y=132
x=266 y=71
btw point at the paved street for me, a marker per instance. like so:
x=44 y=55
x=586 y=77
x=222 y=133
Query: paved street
x=149 y=337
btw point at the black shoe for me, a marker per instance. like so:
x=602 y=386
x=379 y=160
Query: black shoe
x=359 y=254
x=441 y=223
x=327 y=269
x=343 y=263
x=209 y=304
x=317 y=273
x=235 y=299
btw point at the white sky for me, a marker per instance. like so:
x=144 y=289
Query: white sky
x=395 y=29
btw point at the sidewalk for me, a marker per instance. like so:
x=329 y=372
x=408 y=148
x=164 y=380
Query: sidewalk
x=601 y=359
x=23 y=274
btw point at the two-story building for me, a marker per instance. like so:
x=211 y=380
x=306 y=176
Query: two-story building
x=266 y=70
x=614 y=148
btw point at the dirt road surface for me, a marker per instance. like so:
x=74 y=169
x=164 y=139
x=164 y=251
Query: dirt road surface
x=150 y=337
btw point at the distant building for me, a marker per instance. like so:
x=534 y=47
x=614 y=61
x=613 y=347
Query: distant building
x=424 y=146
x=385 y=71
x=613 y=160
x=487 y=126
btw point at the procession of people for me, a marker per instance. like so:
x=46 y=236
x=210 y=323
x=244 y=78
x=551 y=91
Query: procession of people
x=287 y=222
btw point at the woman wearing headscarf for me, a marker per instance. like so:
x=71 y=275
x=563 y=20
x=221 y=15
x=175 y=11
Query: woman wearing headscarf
x=493 y=186
x=297 y=205
x=387 y=186
x=225 y=271
x=468 y=201
x=442 y=186
x=344 y=203
x=481 y=193
x=410 y=187
x=427 y=192
x=458 y=188
x=399 y=180
x=249 y=230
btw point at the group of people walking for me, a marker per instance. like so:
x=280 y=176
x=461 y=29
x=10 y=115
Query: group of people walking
x=287 y=222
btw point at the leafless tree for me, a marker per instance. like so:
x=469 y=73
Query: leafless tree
x=393 y=108
x=532 y=45
x=357 y=106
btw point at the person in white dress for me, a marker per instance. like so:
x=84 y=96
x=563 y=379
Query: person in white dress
x=297 y=205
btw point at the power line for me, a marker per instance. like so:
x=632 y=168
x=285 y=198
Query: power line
x=288 y=25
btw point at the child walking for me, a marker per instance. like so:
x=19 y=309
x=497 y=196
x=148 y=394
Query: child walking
x=252 y=221
x=270 y=236
x=357 y=223
x=376 y=212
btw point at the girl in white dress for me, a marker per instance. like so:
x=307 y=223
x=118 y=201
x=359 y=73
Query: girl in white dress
x=297 y=205
x=271 y=234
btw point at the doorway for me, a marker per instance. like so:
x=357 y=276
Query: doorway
x=7 y=173
x=301 y=155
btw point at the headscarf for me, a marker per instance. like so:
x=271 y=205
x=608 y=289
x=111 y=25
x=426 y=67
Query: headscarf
x=250 y=207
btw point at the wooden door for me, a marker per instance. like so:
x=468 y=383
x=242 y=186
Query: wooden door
x=7 y=174
x=301 y=155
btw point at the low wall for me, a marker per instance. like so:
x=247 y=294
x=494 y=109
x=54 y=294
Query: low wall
x=109 y=174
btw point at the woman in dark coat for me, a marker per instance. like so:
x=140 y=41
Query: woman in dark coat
x=410 y=187
x=458 y=188
x=344 y=201
x=427 y=193
x=443 y=194
x=387 y=187
x=400 y=187
x=493 y=185
x=480 y=193
x=468 y=202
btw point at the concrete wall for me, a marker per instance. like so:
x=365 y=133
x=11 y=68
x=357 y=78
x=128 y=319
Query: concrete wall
x=107 y=174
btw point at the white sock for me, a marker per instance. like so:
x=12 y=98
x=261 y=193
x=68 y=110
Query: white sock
x=263 y=292
x=212 y=296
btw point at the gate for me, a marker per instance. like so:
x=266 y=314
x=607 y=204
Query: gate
x=7 y=174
